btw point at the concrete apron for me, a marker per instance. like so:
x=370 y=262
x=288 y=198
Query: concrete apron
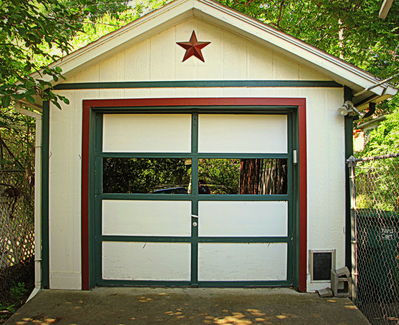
x=114 y=306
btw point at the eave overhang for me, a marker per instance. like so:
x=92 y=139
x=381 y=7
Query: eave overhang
x=215 y=13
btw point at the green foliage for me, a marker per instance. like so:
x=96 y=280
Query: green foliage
x=222 y=176
x=385 y=138
x=377 y=181
x=349 y=29
x=18 y=291
x=17 y=145
x=36 y=33
x=141 y=175
x=366 y=40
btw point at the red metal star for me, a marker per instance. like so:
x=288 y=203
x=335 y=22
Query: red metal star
x=193 y=47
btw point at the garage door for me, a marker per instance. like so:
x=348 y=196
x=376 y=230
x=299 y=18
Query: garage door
x=194 y=199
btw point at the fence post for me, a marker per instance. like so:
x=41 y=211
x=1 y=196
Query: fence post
x=351 y=161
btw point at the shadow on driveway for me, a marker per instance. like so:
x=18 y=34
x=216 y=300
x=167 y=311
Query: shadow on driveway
x=116 y=306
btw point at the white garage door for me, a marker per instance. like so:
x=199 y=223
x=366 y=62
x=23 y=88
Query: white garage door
x=194 y=199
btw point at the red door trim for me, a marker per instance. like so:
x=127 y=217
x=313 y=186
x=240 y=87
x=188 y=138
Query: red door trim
x=88 y=105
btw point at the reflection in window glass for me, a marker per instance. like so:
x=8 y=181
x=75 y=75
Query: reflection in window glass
x=147 y=175
x=242 y=176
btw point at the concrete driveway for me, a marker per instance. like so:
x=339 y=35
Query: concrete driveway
x=115 y=306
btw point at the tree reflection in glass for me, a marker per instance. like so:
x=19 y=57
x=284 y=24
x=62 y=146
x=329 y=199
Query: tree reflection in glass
x=243 y=176
x=147 y=175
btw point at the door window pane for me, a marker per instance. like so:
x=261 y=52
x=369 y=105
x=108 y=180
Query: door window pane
x=147 y=175
x=242 y=176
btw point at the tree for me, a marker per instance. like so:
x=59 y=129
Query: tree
x=366 y=40
x=34 y=34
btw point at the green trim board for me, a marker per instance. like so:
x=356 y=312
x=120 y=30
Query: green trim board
x=348 y=152
x=176 y=239
x=189 y=109
x=194 y=201
x=98 y=196
x=198 y=84
x=190 y=197
x=45 y=196
x=201 y=284
x=189 y=155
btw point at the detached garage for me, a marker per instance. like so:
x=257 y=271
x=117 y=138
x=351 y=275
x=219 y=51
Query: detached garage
x=200 y=148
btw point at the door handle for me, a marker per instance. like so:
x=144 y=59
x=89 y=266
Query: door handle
x=194 y=220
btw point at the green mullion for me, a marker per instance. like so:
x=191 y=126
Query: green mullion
x=146 y=239
x=175 y=239
x=243 y=155
x=144 y=155
x=243 y=239
x=243 y=197
x=96 y=206
x=295 y=200
x=198 y=155
x=187 y=197
x=145 y=196
x=234 y=284
x=147 y=283
x=194 y=201
x=290 y=185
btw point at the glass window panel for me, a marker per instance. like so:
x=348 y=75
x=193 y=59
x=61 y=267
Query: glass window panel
x=242 y=176
x=147 y=175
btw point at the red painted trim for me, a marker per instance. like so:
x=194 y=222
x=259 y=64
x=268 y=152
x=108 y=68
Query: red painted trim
x=303 y=190
x=85 y=196
x=173 y=102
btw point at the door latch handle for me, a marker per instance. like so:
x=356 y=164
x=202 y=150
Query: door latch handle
x=195 y=220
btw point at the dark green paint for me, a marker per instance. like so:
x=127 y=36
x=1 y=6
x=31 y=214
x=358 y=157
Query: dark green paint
x=198 y=84
x=201 y=284
x=194 y=201
x=348 y=152
x=176 y=239
x=45 y=195
x=188 y=197
x=241 y=284
x=188 y=155
x=278 y=110
x=97 y=196
x=294 y=202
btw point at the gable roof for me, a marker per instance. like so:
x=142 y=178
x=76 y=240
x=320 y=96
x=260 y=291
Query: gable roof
x=339 y=70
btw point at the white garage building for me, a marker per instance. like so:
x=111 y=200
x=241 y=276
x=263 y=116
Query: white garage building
x=200 y=148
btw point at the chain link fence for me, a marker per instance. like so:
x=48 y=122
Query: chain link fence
x=375 y=237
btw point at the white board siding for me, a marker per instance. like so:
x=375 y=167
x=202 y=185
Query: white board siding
x=146 y=218
x=242 y=133
x=147 y=133
x=230 y=56
x=242 y=262
x=243 y=218
x=325 y=140
x=146 y=261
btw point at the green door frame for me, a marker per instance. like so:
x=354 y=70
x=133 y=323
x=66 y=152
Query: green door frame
x=194 y=198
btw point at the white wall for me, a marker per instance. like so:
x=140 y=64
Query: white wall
x=228 y=57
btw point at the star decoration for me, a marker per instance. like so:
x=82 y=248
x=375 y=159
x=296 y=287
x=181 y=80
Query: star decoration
x=193 y=48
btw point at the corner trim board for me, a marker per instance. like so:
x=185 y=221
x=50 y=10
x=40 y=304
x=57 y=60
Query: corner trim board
x=45 y=195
